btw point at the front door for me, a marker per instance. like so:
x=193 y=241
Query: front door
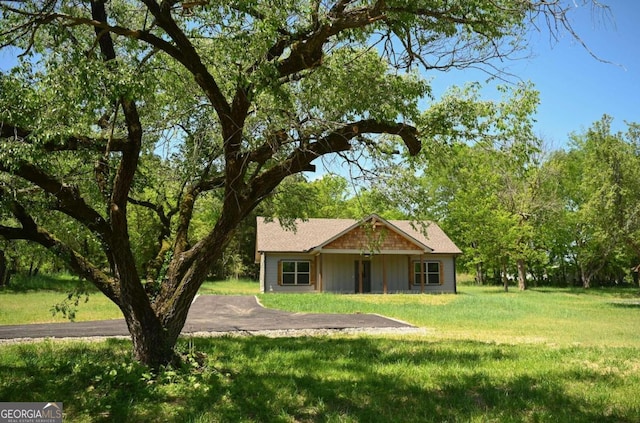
x=366 y=276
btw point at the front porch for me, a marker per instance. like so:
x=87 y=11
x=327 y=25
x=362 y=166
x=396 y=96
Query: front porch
x=381 y=273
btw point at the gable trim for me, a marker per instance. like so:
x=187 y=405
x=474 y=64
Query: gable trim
x=372 y=253
x=421 y=247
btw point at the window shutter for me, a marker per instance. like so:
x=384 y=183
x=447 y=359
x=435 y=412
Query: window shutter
x=410 y=272
x=441 y=269
x=279 y=272
x=312 y=271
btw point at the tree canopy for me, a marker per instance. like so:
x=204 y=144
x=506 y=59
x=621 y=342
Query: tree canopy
x=156 y=113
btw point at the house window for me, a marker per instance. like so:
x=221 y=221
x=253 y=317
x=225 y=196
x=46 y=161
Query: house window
x=431 y=271
x=296 y=272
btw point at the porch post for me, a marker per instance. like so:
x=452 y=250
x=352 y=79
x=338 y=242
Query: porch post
x=360 y=266
x=411 y=273
x=319 y=271
x=384 y=274
x=421 y=274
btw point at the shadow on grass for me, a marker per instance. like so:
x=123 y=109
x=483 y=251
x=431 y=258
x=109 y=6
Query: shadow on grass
x=417 y=383
x=626 y=304
x=100 y=382
x=605 y=292
x=298 y=379
x=43 y=282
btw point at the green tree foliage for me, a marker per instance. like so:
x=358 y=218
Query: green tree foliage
x=603 y=200
x=329 y=197
x=151 y=113
x=573 y=216
x=479 y=181
x=332 y=196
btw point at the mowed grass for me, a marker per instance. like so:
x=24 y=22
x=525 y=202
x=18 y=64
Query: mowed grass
x=329 y=379
x=30 y=300
x=597 y=317
x=543 y=355
x=230 y=287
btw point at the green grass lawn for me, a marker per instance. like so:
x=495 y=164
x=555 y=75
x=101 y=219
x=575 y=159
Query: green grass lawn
x=543 y=355
x=330 y=379
x=31 y=300
x=230 y=287
x=599 y=317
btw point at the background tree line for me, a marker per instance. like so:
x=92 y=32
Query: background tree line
x=566 y=217
x=569 y=217
x=520 y=214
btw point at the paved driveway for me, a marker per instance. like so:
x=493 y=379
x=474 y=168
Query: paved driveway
x=213 y=313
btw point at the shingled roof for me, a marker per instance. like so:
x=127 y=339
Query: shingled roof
x=313 y=233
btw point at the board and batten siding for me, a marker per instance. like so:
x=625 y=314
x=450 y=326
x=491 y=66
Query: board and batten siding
x=337 y=273
x=395 y=266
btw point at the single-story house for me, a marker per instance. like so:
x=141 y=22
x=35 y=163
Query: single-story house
x=349 y=256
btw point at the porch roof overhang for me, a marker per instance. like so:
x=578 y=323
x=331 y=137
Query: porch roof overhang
x=371 y=253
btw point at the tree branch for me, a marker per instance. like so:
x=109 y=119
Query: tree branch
x=189 y=57
x=158 y=209
x=69 y=143
x=79 y=264
x=338 y=140
x=69 y=200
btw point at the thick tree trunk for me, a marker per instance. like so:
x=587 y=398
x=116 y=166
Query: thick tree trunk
x=153 y=345
x=155 y=330
x=522 y=274
x=154 y=338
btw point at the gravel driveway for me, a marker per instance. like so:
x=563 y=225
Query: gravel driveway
x=220 y=314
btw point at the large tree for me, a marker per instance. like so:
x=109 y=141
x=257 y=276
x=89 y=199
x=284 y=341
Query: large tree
x=602 y=169
x=121 y=111
x=480 y=179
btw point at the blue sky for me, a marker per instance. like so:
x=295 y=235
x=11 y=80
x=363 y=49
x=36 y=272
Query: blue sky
x=575 y=88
